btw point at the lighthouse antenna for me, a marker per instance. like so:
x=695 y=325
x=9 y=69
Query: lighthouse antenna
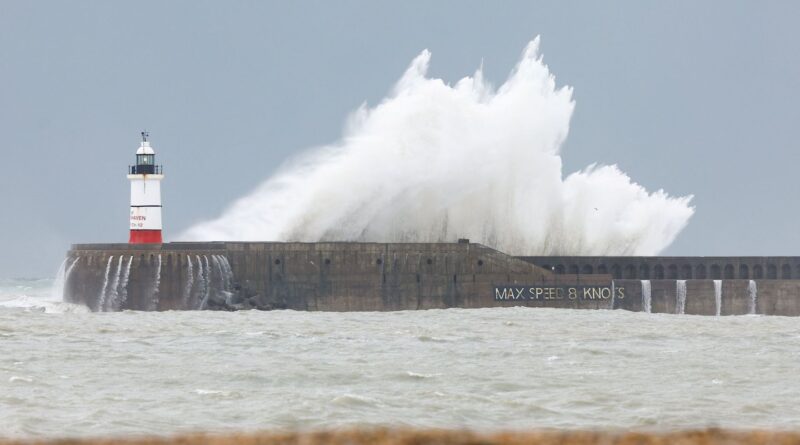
x=145 y=135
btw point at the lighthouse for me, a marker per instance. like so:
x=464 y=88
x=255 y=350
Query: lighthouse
x=145 y=179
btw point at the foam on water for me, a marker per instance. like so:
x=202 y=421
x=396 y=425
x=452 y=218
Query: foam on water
x=40 y=295
x=436 y=162
x=498 y=368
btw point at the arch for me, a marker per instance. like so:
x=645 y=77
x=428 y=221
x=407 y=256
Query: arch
x=686 y=272
x=797 y=271
x=786 y=272
x=700 y=272
x=672 y=272
x=169 y=259
x=587 y=269
x=772 y=271
x=573 y=269
x=727 y=273
x=545 y=266
x=644 y=272
x=716 y=272
x=616 y=271
x=658 y=272
x=758 y=272
x=630 y=271
x=744 y=271
x=602 y=269
x=560 y=269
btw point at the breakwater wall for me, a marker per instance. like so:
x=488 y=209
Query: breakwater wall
x=673 y=268
x=302 y=276
x=346 y=276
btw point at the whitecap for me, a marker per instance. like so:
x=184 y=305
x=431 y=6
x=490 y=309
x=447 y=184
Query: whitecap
x=218 y=394
x=38 y=304
x=417 y=375
x=16 y=378
x=354 y=400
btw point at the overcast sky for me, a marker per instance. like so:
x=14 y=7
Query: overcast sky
x=696 y=98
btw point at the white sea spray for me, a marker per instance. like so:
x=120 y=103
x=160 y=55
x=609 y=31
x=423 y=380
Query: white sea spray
x=437 y=162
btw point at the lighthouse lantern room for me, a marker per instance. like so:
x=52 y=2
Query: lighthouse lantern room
x=145 y=177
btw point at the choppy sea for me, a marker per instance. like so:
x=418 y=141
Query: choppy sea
x=67 y=372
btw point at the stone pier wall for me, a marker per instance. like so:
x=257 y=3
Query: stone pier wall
x=774 y=297
x=87 y=283
x=301 y=276
x=399 y=276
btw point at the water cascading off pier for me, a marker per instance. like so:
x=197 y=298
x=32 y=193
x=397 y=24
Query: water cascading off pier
x=680 y=297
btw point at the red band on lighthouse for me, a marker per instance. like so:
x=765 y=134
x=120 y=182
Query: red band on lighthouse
x=145 y=237
x=145 y=177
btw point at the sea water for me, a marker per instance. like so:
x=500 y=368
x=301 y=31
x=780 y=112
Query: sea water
x=67 y=372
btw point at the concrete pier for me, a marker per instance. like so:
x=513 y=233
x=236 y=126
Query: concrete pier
x=345 y=276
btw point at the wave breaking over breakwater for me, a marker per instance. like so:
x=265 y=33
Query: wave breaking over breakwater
x=435 y=162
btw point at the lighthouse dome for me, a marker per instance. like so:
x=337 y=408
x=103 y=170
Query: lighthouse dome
x=145 y=149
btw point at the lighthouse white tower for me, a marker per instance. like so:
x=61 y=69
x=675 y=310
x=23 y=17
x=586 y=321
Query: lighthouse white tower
x=145 y=179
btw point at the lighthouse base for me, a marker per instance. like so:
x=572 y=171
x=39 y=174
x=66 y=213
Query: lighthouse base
x=145 y=237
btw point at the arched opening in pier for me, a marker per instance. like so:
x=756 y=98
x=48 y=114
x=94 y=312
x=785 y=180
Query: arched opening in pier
x=630 y=272
x=602 y=269
x=772 y=271
x=686 y=272
x=758 y=272
x=744 y=271
x=658 y=272
x=672 y=272
x=786 y=272
x=559 y=269
x=616 y=272
x=644 y=272
x=728 y=272
x=716 y=272
x=587 y=269
x=573 y=269
x=700 y=272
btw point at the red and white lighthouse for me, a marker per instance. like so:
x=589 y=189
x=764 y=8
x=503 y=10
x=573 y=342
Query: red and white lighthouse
x=145 y=179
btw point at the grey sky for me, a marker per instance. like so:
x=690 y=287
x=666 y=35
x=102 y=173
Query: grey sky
x=697 y=98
